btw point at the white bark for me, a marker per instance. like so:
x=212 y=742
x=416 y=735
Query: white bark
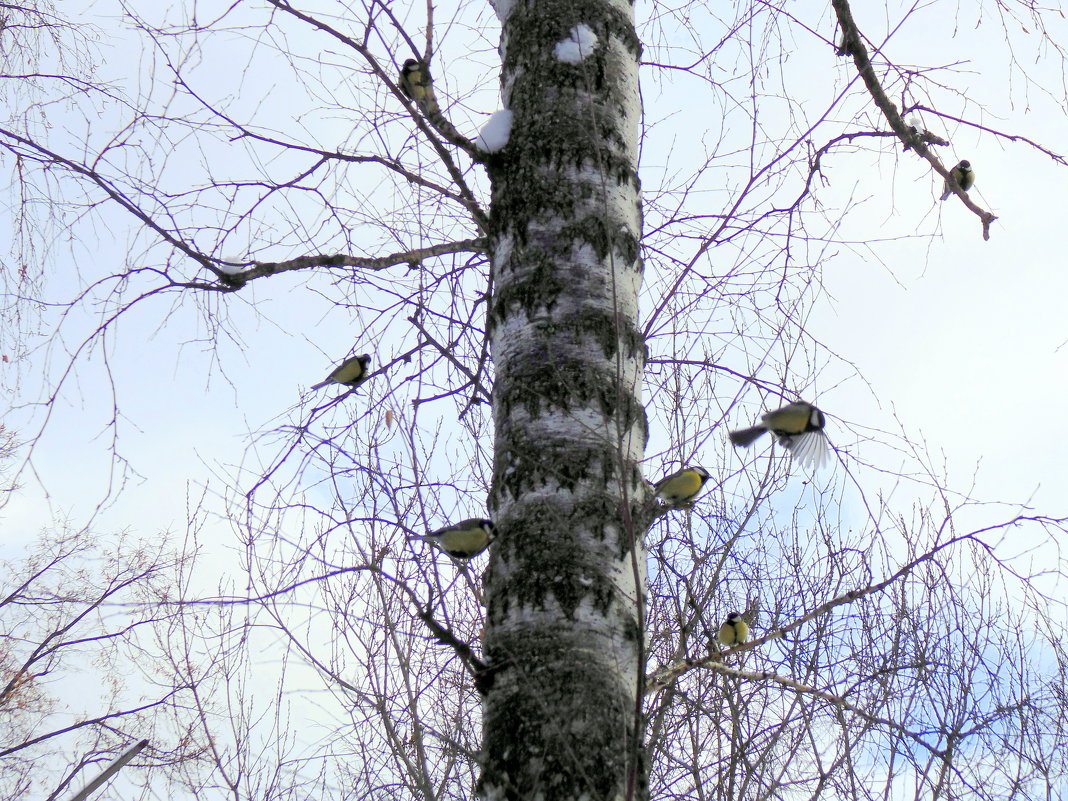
x=566 y=582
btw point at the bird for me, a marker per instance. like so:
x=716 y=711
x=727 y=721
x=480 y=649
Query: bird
x=733 y=631
x=799 y=427
x=416 y=84
x=681 y=487
x=464 y=540
x=963 y=176
x=352 y=372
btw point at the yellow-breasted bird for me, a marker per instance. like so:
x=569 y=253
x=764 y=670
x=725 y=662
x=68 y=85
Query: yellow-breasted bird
x=464 y=540
x=963 y=175
x=733 y=631
x=416 y=83
x=799 y=427
x=681 y=487
x=350 y=372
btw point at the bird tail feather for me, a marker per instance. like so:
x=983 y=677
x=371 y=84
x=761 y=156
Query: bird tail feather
x=747 y=436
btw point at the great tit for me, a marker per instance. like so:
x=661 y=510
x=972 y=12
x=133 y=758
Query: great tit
x=681 y=487
x=416 y=83
x=734 y=631
x=799 y=427
x=350 y=372
x=963 y=175
x=465 y=540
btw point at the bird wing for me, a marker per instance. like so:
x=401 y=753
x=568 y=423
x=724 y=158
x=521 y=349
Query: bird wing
x=809 y=449
x=350 y=370
x=459 y=541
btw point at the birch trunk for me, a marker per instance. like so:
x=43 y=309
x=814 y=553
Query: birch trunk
x=564 y=591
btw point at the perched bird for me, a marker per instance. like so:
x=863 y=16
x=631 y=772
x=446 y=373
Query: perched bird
x=416 y=83
x=350 y=372
x=963 y=175
x=465 y=540
x=799 y=427
x=681 y=487
x=734 y=631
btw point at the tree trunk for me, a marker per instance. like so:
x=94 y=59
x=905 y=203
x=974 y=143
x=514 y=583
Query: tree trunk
x=564 y=634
